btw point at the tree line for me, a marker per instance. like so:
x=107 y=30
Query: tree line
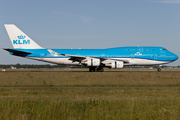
x=18 y=65
x=36 y=66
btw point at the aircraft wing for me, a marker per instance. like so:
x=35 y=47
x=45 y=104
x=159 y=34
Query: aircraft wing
x=75 y=58
x=17 y=51
x=79 y=58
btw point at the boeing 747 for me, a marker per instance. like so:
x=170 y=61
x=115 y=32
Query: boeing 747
x=94 y=59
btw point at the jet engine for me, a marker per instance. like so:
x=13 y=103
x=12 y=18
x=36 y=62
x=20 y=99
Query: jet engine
x=117 y=64
x=92 y=62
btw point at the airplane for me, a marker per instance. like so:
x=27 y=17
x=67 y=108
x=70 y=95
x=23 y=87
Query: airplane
x=94 y=59
x=12 y=67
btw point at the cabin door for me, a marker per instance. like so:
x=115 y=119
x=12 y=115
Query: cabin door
x=155 y=57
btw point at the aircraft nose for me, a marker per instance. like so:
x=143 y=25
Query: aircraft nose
x=175 y=57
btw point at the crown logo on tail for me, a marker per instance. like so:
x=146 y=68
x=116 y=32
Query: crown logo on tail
x=21 y=37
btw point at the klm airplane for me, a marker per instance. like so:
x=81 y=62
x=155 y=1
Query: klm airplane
x=94 y=59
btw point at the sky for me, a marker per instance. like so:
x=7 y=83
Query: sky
x=91 y=24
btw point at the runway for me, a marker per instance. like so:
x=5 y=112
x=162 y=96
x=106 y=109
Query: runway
x=85 y=71
x=94 y=87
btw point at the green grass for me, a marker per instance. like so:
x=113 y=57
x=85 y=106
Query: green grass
x=90 y=104
x=89 y=79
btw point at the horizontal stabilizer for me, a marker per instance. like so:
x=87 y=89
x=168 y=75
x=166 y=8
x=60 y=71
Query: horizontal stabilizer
x=17 y=51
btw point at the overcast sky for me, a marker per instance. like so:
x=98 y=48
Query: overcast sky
x=91 y=24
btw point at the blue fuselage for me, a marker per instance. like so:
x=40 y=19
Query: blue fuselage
x=143 y=53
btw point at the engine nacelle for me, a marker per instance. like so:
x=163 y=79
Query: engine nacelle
x=92 y=62
x=117 y=64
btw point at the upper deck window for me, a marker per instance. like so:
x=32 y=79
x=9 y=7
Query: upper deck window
x=132 y=49
x=148 y=49
x=140 y=50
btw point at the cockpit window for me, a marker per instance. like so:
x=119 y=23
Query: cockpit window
x=164 y=49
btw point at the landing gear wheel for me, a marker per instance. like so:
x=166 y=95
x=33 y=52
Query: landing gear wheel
x=159 y=69
x=100 y=69
x=94 y=69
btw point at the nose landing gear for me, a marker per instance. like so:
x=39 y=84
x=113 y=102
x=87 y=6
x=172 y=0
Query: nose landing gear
x=159 y=68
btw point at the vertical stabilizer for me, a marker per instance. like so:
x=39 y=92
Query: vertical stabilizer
x=19 y=39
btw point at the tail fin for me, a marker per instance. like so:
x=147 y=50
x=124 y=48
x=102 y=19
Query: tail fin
x=19 y=39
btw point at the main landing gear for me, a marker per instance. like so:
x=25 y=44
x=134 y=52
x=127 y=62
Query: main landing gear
x=93 y=69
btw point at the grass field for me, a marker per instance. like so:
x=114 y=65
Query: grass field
x=90 y=103
x=90 y=79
